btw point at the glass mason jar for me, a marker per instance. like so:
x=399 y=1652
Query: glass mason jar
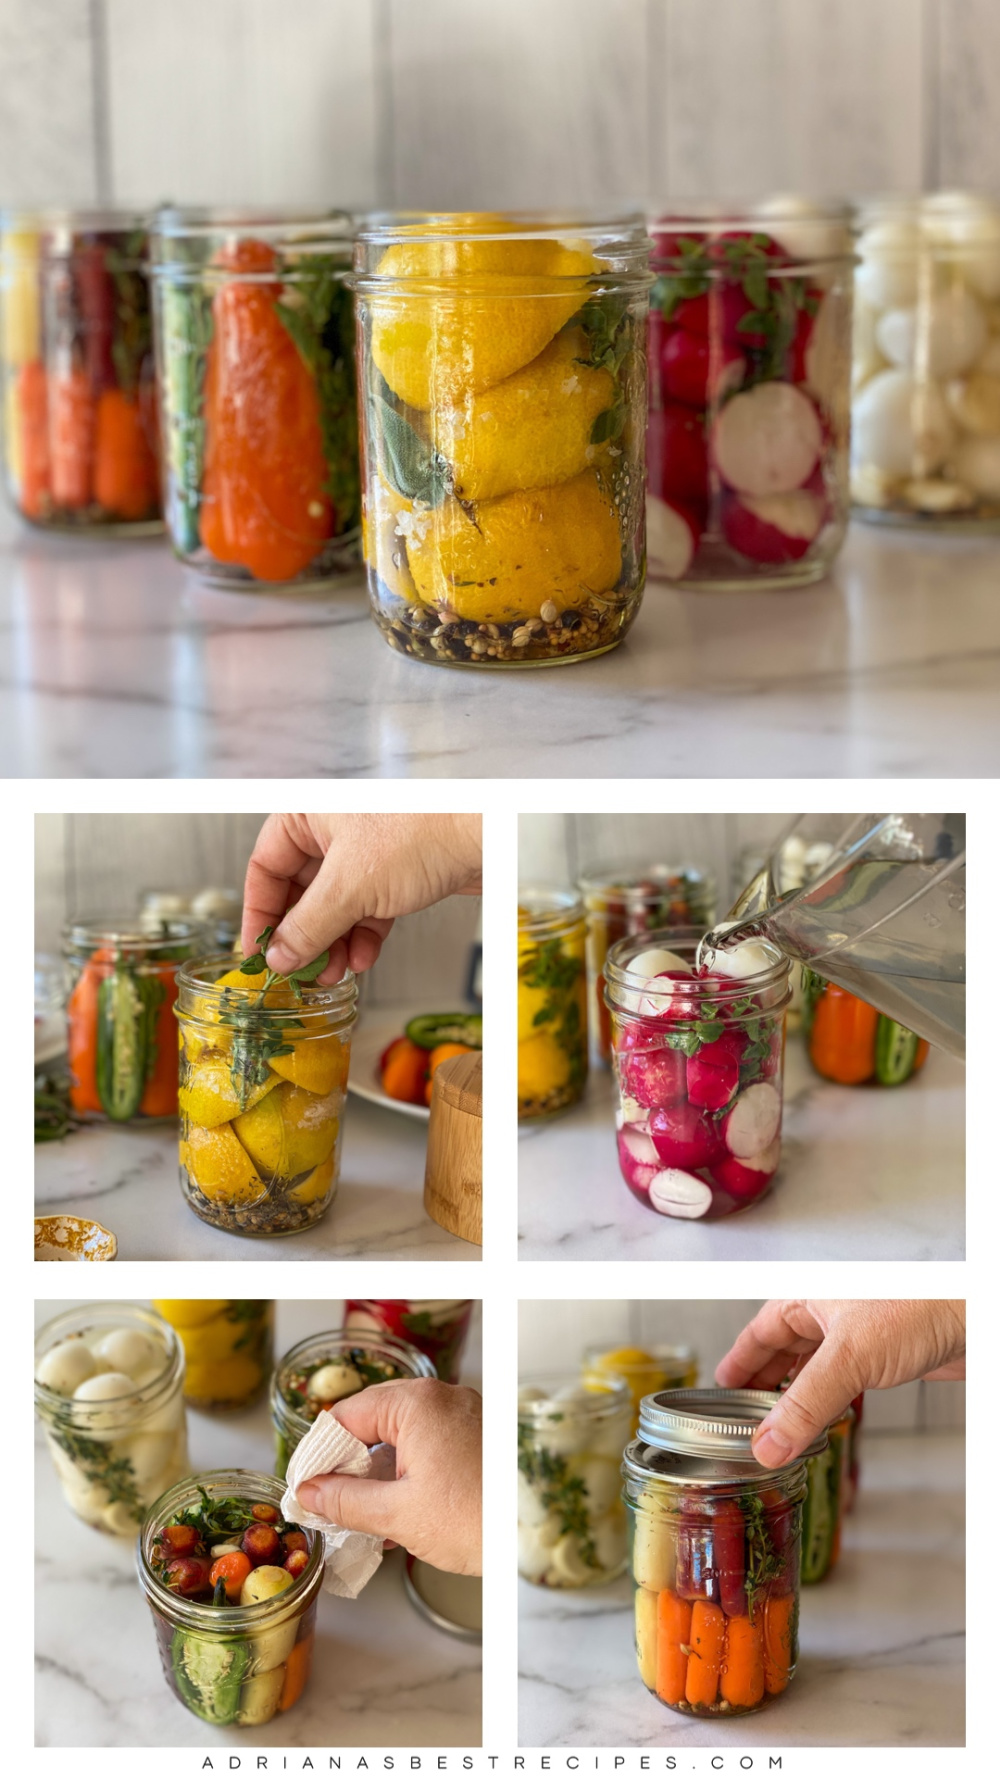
x=621 y=904
x=570 y=1518
x=255 y=376
x=263 y=1083
x=925 y=434
x=122 y=1038
x=81 y=450
x=328 y=1367
x=237 y=1665
x=646 y=1369
x=503 y=409
x=850 y=1042
x=229 y=1348
x=749 y=407
x=439 y=1329
x=109 y=1381
x=551 y=1002
x=828 y=1482
x=698 y=1063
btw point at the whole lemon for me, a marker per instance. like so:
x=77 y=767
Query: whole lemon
x=289 y=1132
x=542 y=1065
x=517 y=553
x=221 y=1167
x=222 y=1379
x=189 y=1313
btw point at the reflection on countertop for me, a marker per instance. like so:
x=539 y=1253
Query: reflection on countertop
x=866 y=1173
x=882 y=1639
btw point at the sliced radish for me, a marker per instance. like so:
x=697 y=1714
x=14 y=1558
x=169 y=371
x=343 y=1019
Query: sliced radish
x=748 y=1178
x=695 y=370
x=775 y=528
x=753 y=1123
x=767 y=440
x=672 y=536
x=669 y=998
x=684 y=1137
x=713 y=1075
x=750 y=957
x=653 y=1077
x=675 y=1193
x=657 y=961
x=637 y=1157
x=677 y=455
x=629 y=1112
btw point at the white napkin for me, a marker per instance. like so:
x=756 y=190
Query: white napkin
x=329 y=1449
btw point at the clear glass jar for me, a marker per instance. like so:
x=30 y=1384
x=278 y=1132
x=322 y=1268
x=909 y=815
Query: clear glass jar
x=828 y=1483
x=851 y=1042
x=81 y=450
x=229 y=1348
x=237 y=1665
x=263 y=1084
x=925 y=433
x=551 y=1002
x=623 y=903
x=646 y=1370
x=50 y=1010
x=122 y=1038
x=328 y=1367
x=503 y=401
x=109 y=1380
x=749 y=408
x=439 y=1329
x=698 y=1063
x=570 y=1517
x=715 y=1552
x=255 y=376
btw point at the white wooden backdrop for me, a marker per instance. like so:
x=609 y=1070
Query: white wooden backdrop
x=101 y=864
x=552 y=1336
x=482 y=102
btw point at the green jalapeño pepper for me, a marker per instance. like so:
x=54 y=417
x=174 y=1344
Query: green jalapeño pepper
x=127 y=1005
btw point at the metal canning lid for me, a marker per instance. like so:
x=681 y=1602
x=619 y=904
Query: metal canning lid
x=451 y=1602
x=710 y=1423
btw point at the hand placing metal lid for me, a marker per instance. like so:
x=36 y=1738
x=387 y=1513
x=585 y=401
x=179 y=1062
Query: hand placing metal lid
x=709 y=1423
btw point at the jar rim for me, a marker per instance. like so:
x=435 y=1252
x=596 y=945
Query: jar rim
x=619 y=978
x=544 y=908
x=591 y=1404
x=383 y=227
x=52 y=1405
x=190 y=977
x=635 y=877
x=708 y=218
x=86 y=221
x=356 y=1339
x=129 y=934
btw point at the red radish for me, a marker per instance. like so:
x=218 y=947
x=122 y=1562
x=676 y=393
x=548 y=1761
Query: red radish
x=672 y=536
x=637 y=1158
x=654 y=1076
x=734 y=308
x=753 y=1123
x=666 y=999
x=774 y=528
x=675 y=1193
x=694 y=314
x=713 y=1075
x=767 y=440
x=684 y=1137
x=749 y=1177
x=677 y=455
x=695 y=370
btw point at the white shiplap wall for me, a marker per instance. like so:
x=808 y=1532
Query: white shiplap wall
x=552 y=1336
x=475 y=102
x=101 y=864
x=556 y=848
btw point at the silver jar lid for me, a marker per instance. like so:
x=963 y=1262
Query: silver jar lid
x=710 y=1423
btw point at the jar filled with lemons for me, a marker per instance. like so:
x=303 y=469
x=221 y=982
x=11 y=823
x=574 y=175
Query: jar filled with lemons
x=503 y=409
x=646 y=1370
x=263 y=1080
x=229 y=1347
x=551 y=1002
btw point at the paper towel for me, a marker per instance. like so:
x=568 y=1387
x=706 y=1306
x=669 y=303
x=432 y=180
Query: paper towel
x=329 y=1449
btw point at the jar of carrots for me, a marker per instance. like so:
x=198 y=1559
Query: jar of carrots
x=851 y=1042
x=122 y=1034
x=81 y=449
x=716 y=1545
x=255 y=366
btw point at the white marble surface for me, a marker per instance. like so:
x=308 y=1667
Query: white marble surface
x=127 y=1178
x=381 y=1676
x=113 y=660
x=866 y=1173
x=882 y=1639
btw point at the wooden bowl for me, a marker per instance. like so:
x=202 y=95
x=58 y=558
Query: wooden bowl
x=453 y=1179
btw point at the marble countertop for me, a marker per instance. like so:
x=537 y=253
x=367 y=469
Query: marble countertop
x=126 y=1177
x=116 y=660
x=866 y=1173
x=382 y=1676
x=882 y=1639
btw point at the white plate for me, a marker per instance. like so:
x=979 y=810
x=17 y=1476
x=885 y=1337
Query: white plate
x=367 y=1044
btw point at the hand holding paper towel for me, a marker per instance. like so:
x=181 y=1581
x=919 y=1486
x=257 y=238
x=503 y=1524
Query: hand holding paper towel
x=329 y=1449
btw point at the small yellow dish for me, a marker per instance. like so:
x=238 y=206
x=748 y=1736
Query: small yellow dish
x=73 y=1237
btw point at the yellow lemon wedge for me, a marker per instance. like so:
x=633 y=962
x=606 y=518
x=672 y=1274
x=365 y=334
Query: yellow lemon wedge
x=290 y=1132
x=383 y=541
x=317 y=1185
x=208 y=1096
x=319 y=1064
x=183 y=1314
x=221 y=1167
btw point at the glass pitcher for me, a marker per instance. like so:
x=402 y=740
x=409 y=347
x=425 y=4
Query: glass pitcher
x=883 y=917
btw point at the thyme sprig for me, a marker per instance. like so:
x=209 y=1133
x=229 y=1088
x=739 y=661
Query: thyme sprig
x=763 y=1561
x=114 y=1474
x=551 y=968
x=561 y=1492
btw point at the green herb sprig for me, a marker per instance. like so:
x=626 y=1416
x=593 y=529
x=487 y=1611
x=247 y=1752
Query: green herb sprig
x=763 y=1562
x=551 y=968
x=561 y=1492
x=317 y=310
x=114 y=1474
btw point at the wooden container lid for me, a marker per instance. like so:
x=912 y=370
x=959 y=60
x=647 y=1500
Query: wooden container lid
x=453 y=1180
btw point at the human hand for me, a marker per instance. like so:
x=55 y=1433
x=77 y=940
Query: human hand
x=434 y=1508
x=835 y=1350
x=337 y=882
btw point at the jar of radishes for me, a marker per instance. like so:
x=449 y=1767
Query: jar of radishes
x=697 y=1054
x=926 y=420
x=749 y=395
x=622 y=902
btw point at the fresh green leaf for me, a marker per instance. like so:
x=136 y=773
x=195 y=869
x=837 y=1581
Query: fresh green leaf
x=310 y=971
x=410 y=465
x=255 y=964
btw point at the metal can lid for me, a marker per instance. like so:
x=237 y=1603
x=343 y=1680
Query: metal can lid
x=451 y=1602
x=709 y=1422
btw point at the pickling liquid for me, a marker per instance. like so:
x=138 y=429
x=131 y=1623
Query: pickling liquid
x=890 y=930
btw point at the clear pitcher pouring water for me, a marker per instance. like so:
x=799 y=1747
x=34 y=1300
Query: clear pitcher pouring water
x=882 y=914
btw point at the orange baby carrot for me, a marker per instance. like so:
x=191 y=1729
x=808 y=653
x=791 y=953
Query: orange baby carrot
x=71 y=438
x=296 y=1672
x=673 y=1631
x=743 y=1669
x=81 y=1016
x=33 y=413
x=779 y=1642
x=124 y=466
x=707 y=1642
